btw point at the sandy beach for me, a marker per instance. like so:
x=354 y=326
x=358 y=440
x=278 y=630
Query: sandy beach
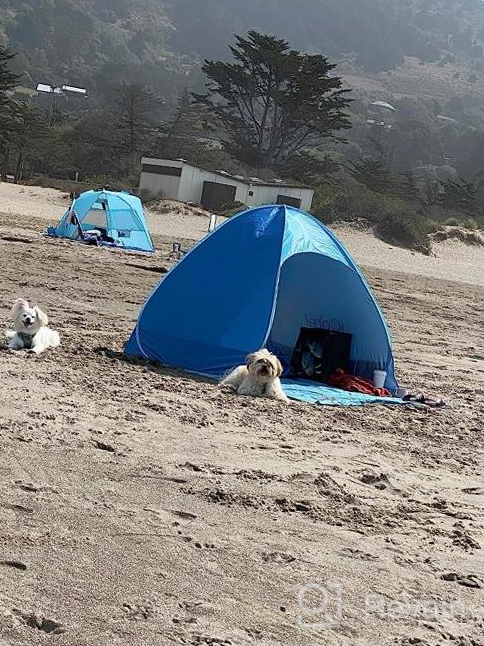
x=140 y=506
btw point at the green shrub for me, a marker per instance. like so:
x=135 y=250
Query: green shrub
x=432 y=226
x=402 y=226
x=145 y=195
x=471 y=224
x=393 y=219
x=355 y=203
x=69 y=186
x=451 y=222
x=98 y=181
x=231 y=208
x=323 y=206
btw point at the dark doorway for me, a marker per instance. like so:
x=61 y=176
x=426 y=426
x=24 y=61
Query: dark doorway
x=289 y=201
x=216 y=195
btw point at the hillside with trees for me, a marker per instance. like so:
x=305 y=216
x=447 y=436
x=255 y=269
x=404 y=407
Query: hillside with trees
x=377 y=103
x=378 y=33
x=92 y=41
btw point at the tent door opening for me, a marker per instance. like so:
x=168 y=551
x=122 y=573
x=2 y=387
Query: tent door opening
x=334 y=301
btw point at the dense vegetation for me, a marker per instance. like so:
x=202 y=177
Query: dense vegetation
x=90 y=43
x=404 y=169
x=94 y=42
x=378 y=32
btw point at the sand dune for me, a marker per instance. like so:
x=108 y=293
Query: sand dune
x=450 y=260
x=140 y=506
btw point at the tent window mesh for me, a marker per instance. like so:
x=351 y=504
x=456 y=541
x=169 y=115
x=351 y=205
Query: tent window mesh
x=95 y=218
x=125 y=219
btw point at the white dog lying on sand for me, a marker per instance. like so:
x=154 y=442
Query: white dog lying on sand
x=259 y=377
x=31 y=332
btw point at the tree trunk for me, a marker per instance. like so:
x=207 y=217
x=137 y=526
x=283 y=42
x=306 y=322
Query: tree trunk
x=19 y=165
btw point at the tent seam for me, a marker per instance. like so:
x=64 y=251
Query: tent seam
x=276 y=287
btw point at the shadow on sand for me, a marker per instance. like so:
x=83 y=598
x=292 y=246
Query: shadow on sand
x=151 y=365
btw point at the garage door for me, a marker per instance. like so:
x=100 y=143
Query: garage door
x=289 y=201
x=216 y=195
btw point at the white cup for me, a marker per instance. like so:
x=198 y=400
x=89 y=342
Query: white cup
x=379 y=377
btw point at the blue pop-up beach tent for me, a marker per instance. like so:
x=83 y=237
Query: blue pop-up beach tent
x=119 y=216
x=254 y=282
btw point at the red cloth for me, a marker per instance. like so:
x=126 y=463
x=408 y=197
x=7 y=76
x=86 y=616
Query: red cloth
x=340 y=379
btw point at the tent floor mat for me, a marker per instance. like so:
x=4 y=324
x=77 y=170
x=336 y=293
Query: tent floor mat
x=312 y=392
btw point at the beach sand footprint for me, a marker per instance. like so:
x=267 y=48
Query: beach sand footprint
x=39 y=622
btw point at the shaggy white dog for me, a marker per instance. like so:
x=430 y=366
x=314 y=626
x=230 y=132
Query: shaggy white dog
x=30 y=329
x=259 y=377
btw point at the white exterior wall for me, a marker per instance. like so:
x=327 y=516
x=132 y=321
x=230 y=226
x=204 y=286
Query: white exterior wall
x=189 y=186
x=307 y=199
x=160 y=185
x=167 y=186
x=268 y=195
x=192 y=179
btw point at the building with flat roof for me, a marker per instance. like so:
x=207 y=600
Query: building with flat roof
x=177 y=180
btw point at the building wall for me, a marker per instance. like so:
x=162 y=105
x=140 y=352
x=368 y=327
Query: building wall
x=269 y=194
x=165 y=185
x=189 y=186
x=192 y=179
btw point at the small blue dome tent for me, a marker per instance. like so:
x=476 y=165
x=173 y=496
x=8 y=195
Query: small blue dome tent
x=254 y=282
x=117 y=216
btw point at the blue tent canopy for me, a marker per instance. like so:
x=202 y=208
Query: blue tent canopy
x=119 y=216
x=254 y=282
